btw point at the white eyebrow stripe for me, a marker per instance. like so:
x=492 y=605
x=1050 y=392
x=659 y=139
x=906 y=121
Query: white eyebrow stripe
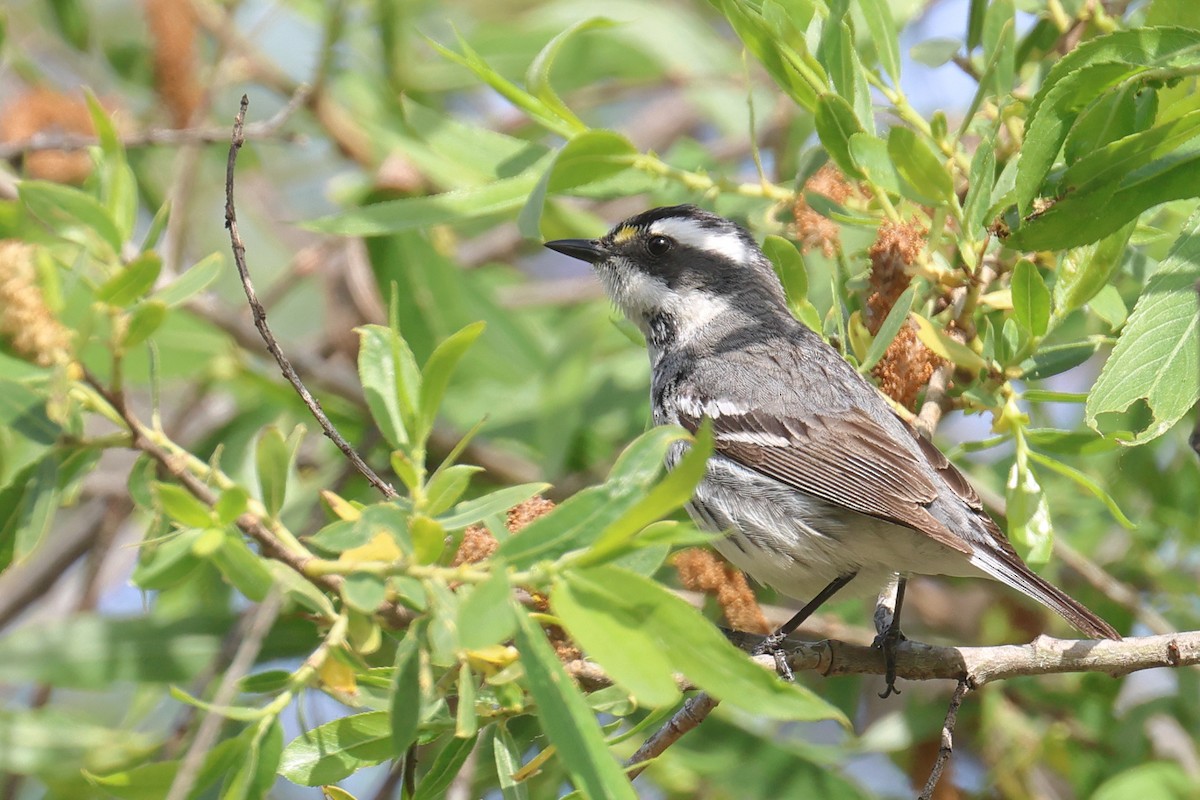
x=725 y=243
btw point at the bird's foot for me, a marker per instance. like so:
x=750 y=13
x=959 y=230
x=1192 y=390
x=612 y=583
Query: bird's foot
x=887 y=642
x=773 y=646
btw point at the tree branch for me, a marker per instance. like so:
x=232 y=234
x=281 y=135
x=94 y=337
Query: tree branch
x=972 y=667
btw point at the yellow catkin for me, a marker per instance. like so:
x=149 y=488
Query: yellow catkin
x=25 y=321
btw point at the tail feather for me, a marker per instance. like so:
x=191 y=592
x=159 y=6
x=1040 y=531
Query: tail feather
x=1013 y=572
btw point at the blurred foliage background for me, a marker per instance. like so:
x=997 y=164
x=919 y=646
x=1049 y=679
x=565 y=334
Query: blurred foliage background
x=987 y=194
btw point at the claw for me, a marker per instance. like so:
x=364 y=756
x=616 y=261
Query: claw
x=887 y=642
x=773 y=646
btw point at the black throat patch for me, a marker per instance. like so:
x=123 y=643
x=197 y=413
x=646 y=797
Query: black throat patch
x=663 y=330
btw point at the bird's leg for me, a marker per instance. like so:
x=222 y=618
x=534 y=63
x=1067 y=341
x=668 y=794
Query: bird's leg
x=887 y=623
x=773 y=644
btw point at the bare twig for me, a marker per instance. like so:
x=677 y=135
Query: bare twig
x=260 y=316
x=947 y=746
x=157 y=137
x=257 y=626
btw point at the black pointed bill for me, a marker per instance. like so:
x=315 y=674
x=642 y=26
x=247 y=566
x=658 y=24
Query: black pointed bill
x=588 y=250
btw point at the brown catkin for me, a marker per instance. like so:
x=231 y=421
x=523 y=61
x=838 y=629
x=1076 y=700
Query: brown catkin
x=814 y=231
x=172 y=25
x=478 y=542
x=703 y=571
x=42 y=110
x=26 y=323
x=907 y=364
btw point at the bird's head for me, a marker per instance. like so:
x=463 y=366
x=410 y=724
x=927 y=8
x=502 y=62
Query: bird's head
x=677 y=270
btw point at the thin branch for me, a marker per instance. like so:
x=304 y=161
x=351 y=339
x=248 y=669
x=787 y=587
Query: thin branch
x=947 y=746
x=157 y=137
x=260 y=316
x=685 y=719
x=257 y=626
x=270 y=544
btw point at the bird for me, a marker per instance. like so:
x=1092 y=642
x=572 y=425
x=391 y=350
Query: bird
x=814 y=479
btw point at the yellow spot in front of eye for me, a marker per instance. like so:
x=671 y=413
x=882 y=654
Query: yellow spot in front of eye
x=624 y=234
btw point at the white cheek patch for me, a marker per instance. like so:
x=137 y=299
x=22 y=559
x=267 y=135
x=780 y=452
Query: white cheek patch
x=725 y=243
x=640 y=296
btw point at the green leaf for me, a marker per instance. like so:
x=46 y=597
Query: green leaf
x=390 y=380
x=1029 y=525
x=24 y=411
x=936 y=51
x=181 y=506
x=260 y=754
x=1087 y=483
x=795 y=71
x=1086 y=74
x=484 y=617
x=870 y=155
x=132 y=281
x=245 y=570
x=466 y=724
x=589 y=157
x=878 y=14
x=471 y=511
x=979 y=190
x=193 y=281
x=1059 y=358
x=273 y=461
x=1091 y=213
x=435 y=376
x=164 y=563
x=1157 y=359
x=1154 y=780
x=364 y=591
x=1113 y=116
x=616 y=637
x=888 y=330
x=507 y=756
x=668 y=496
x=47 y=742
x=446 y=486
x=950 y=349
x=231 y=504
x=836 y=123
x=145 y=318
x=534 y=106
x=578 y=521
x=153 y=781
x=93 y=652
x=922 y=173
x=404 y=705
x=338 y=749
x=566 y=719
x=33 y=508
x=789 y=266
x=455 y=206
x=65 y=207
x=444 y=769
x=1031 y=298
x=693 y=645
x=999 y=45
x=1112 y=162
x=537 y=78
x=1082 y=274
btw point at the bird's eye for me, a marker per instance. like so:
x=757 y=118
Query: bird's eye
x=658 y=245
